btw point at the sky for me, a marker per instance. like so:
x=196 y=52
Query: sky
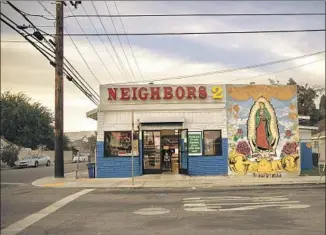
x=24 y=69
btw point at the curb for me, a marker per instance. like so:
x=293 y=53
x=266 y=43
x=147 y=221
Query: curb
x=212 y=189
x=195 y=187
x=217 y=189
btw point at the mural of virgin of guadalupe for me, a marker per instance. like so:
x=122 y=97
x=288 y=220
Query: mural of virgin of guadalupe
x=263 y=131
x=264 y=136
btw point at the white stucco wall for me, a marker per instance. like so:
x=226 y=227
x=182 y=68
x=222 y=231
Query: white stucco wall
x=199 y=119
x=197 y=114
x=305 y=135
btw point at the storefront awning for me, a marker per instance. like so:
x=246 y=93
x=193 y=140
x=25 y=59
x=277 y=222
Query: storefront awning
x=92 y=114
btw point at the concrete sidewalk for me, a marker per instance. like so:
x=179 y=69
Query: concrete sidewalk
x=171 y=181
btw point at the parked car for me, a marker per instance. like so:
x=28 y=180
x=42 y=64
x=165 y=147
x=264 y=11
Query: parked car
x=34 y=161
x=82 y=158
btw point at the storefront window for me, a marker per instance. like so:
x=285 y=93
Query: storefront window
x=118 y=143
x=213 y=143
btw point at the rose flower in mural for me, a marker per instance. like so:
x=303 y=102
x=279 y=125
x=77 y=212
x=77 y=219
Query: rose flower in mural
x=290 y=148
x=243 y=148
x=264 y=150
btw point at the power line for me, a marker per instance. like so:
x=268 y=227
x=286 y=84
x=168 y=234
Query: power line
x=25 y=17
x=107 y=70
x=115 y=29
x=15 y=41
x=37 y=15
x=278 y=71
x=89 y=90
x=47 y=55
x=42 y=51
x=197 y=33
x=114 y=50
x=32 y=25
x=204 y=15
x=184 y=15
x=73 y=42
x=109 y=53
x=44 y=8
x=233 y=69
x=124 y=30
x=121 y=71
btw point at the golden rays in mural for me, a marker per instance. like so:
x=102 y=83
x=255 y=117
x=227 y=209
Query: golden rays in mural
x=248 y=91
x=241 y=165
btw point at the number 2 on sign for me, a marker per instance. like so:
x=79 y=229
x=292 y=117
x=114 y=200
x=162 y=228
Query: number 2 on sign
x=217 y=92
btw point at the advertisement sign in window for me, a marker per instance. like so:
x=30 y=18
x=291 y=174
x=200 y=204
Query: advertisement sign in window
x=195 y=143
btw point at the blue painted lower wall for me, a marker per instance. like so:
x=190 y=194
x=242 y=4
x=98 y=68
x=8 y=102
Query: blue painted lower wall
x=306 y=157
x=114 y=167
x=209 y=165
x=120 y=167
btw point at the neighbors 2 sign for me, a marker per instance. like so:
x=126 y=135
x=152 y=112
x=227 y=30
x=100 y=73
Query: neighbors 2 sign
x=195 y=143
x=163 y=93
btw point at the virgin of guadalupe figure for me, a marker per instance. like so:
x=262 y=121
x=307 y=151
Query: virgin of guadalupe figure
x=262 y=127
x=264 y=136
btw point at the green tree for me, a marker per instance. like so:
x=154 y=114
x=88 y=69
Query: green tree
x=306 y=99
x=274 y=82
x=26 y=123
x=9 y=154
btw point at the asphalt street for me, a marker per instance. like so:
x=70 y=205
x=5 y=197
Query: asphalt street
x=266 y=210
x=20 y=199
x=30 y=174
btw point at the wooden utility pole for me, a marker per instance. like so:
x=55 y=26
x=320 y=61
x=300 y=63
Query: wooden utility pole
x=59 y=167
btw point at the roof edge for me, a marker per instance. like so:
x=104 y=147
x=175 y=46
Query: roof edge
x=92 y=114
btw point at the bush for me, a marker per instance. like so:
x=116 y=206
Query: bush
x=9 y=155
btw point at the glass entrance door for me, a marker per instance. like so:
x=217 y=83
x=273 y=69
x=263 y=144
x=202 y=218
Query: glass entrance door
x=152 y=152
x=183 y=153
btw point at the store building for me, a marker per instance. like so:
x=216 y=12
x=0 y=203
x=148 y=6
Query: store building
x=197 y=130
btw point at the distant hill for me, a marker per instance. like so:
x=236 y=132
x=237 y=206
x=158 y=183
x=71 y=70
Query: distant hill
x=74 y=136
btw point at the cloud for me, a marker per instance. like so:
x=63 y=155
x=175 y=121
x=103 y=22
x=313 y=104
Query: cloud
x=286 y=124
x=24 y=69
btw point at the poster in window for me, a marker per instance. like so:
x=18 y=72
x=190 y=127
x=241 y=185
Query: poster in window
x=195 y=143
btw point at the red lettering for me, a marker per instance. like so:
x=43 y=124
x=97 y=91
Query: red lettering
x=180 y=92
x=155 y=93
x=112 y=93
x=191 y=92
x=167 y=93
x=125 y=94
x=202 y=92
x=134 y=96
x=143 y=96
